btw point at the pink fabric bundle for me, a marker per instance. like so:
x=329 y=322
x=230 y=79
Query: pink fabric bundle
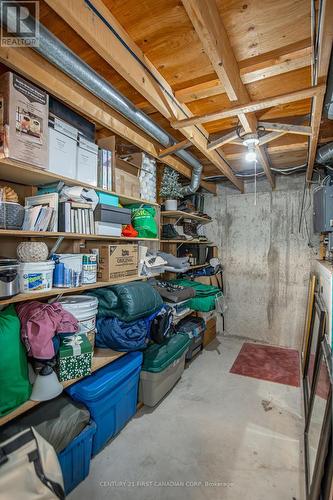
x=40 y=322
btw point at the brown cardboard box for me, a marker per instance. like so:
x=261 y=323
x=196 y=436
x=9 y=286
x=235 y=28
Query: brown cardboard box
x=126 y=184
x=115 y=261
x=210 y=333
x=214 y=280
x=24 y=112
x=127 y=180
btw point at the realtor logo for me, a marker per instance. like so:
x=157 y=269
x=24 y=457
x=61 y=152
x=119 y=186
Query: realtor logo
x=19 y=23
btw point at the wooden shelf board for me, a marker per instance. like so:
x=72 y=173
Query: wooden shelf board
x=71 y=236
x=189 y=269
x=184 y=215
x=187 y=242
x=21 y=297
x=24 y=173
x=97 y=363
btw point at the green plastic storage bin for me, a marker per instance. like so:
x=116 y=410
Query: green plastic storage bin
x=162 y=367
x=157 y=357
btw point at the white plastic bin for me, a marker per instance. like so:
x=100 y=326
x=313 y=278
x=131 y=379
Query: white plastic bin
x=36 y=276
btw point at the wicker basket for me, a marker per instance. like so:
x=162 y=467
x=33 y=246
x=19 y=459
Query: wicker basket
x=11 y=215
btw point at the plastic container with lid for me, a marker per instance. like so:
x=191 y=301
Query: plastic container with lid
x=84 y=308
x=163 y=365
x=36 y=276
x=110 y=394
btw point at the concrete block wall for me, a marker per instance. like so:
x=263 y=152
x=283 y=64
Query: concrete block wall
x=266 y=259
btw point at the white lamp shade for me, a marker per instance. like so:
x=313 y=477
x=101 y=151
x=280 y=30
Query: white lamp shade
x=46 y=387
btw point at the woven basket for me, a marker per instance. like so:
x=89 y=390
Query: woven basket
x=11 y=215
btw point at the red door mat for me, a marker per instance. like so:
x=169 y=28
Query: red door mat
x=274 y=364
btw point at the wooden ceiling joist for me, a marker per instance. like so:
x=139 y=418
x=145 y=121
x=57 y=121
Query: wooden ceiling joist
x=287 y=128
x=325 y=41
x=224 y=139
x=259 y=105
x=276 y=62
x=28 y=63
x=136 y=69
x=271 y=136
x=174 y=148
x=207 y=22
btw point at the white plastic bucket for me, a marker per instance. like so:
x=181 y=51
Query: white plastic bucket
x=36 y=276
x=84 y=309
x=170 y=205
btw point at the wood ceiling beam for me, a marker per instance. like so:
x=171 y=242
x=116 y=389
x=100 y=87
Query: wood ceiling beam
x=224 y=139
x=207 y=22
x=28 y=63
x=136 y=69
x=270 y=137
x=286 y=127
x=176 y=147
x=259 y=105
x=276 y=62
x=325 y=40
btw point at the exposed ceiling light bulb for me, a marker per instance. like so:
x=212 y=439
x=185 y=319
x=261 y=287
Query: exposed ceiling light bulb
x=251 y=154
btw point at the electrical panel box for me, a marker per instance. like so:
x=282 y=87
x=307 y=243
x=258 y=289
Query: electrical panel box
x=323 y=209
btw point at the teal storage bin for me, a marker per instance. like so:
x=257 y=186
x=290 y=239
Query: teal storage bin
x=75 y=458
x=108 y=199
x=110 y=394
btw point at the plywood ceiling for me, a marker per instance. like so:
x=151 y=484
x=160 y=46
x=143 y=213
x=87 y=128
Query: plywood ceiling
x=271 y=44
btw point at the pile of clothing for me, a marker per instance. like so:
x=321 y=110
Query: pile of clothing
x=175 y=264
x=125 y=315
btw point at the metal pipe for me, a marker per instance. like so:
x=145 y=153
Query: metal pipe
x=52 y=49
x=325 y=154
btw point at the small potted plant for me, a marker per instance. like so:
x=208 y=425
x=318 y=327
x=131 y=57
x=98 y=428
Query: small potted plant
x=171 y=189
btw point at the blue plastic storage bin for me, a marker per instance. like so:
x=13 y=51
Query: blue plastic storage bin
x=75 y=458
x=110 y=394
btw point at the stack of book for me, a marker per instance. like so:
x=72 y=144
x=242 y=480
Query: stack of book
x=38 y=218
x=104 y=169
x=76 y=217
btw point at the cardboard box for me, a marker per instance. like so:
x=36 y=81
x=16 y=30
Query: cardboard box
x=115 y=261
x=126 y=183
x=24 y=112
x=62 y=148
x=86 y=161
x=210 y=333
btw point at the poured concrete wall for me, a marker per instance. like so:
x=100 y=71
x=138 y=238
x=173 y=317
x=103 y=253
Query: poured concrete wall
x=266 y=259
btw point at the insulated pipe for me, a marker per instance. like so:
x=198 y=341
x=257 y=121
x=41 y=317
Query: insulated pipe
x=325 y=154
x=52 y=49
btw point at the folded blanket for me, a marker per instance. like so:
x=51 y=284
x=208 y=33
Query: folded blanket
x=205 y=295
x=128 y=302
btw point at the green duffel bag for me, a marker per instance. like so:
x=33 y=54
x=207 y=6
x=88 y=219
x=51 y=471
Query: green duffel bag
x=14 y=380
x=143 y=220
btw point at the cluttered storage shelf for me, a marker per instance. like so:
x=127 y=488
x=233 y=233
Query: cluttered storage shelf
x=97 y=363
x=70 y=236
x=21 y=297
x=25 y=173
x=179 y=214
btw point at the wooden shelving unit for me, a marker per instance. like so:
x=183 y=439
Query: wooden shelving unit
x=179 y=214
x=97 y=363
x=21 y=297
x=187 y=242
x=71 y=236
x=24 y=173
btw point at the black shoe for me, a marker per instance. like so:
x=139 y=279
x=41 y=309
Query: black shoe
x=169 y=233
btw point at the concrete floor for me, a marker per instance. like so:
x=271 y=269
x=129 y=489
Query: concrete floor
x=215 y=436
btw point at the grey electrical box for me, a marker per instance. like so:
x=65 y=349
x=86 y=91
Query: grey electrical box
x=323 y=209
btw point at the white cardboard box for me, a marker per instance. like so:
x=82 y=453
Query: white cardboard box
x=108 y=229
x=23 y=121
x=62 y=148
x=86 y=161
